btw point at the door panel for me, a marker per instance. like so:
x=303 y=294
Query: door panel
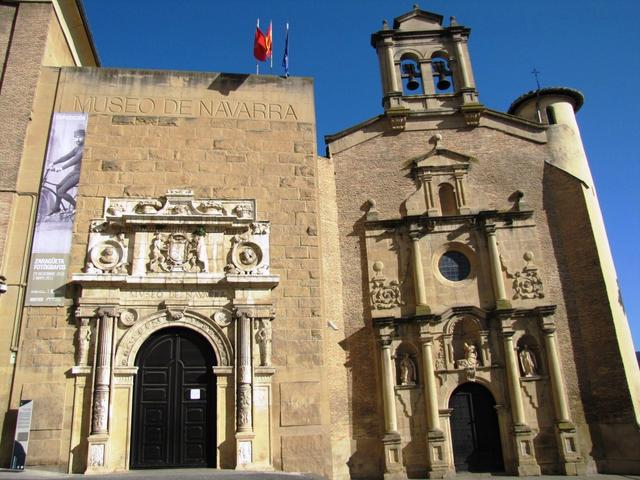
x=174 y=402
x=474 y=430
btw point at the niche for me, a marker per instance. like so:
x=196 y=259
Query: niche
x=466 y=343
x=406 y=365
x=528 y=357
x=447 y=197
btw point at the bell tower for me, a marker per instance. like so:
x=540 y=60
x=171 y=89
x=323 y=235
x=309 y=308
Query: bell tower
x=425 y=67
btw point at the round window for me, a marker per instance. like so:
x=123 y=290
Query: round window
x=454 y=266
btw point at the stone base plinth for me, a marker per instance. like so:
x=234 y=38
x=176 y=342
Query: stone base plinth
x=525 y=459
x=98 y=453
x=393 y=467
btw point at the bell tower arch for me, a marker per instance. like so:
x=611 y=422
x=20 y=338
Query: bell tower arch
x=425 y=67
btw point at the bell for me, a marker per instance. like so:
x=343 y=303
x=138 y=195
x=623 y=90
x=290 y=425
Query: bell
x=412 y=84
x=443 y=83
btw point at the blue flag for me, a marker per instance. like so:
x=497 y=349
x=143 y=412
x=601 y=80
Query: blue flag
x=285 y=57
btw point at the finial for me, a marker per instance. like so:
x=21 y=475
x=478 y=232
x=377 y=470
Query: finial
x=453 y=22
x=385 y=25
x=416 y=7
x=436 y=139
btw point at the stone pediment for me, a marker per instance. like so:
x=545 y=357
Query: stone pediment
x=440 y=158
x=417 y=20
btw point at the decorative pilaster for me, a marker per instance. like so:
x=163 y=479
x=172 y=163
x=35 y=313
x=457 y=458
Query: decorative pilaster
x=437 y=466
x=525 y=457
x=99 y=439
x=244 y=430
x=418 y=276
x=427 y=187
x=461 y=194
x=394 y=468
x=496 y=269
x=565 y=429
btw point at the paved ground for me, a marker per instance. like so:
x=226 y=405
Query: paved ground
x=214 y=474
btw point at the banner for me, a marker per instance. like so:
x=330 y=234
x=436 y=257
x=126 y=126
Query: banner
x=56 y=211
x=21 y=437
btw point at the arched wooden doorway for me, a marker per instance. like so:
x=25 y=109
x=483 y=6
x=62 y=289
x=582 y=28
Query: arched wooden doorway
x=174 y=402
x=474 y=430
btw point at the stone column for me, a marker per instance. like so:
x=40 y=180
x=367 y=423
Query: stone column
x=436 y=466
x=565 y=429
x=496 y=268
x=418 y=275
x=394 y=468
x=244 y=430
x=99 y=439
x=525 y=462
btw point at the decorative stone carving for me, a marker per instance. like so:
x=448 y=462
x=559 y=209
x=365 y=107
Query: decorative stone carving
x=527 y=284
x=128 y=317
x=96 y=455
x=244 y=453
x=407 y=370
x=175 y=252
x=244 y=405
x=440 y=359
x=527 y=361
x=245 y=257
x=180 y=209
x=116 y=209
x=264 y=339
x=243 y=210
x=470 y=360
x=212 y=207
x=83 y=340
x=384 y=295
x=222 y=317
x=97 y=225
x=141 y=330
x=100 y=411
x=260 y=228
x=148 y=206
x=108 y=256
x=175 y=315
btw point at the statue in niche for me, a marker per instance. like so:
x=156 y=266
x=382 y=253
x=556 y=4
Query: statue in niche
x=470 y=354
x=407 y=370
x=156 y=258
x=201 y=253
x=264 y=336
x=528 y=363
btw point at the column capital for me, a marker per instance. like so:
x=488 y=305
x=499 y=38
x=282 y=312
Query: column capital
x=112 y=311
x=490 y=228
x=548 y=325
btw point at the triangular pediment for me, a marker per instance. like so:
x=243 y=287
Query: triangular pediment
x=417 y=20
x=440 y=157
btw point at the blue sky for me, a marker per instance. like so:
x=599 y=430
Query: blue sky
x=590 y=45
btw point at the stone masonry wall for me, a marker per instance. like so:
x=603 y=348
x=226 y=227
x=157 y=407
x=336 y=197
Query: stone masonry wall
x=237 y=156
x=377 y=169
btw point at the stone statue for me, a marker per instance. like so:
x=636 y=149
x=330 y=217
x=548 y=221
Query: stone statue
x=201 y=253
x=83 y=339
x=264 y=342
x=156 y=258
x=528 y=364
x=470 y=354
x=407 y=370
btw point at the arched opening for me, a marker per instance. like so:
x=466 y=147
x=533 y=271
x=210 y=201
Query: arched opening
x=474 y=430
x=442 y=74
x=447 y=197
x=174 y=402
x=411 y=75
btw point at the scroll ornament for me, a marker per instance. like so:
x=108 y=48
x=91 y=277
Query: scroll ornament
x=384 y=294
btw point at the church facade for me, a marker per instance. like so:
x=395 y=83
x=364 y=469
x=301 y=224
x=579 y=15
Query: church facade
x=189 y=284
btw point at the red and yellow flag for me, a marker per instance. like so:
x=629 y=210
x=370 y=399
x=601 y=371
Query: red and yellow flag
x=262 y=44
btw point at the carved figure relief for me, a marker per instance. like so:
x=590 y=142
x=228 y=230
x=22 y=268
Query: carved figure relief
x=244 y=405
x=243 y=211
x=83 y=340
x=260 y=228
x=222 y=317
x=212 y=207
x=175 y=252
x=263 y=337
x=100 y=407
x=440 y=361
x=96 y=455
x=384 y=294
x=148 y=206
x=407 y=370
x=528 y=362
x=128 y=317
x=108 y=256
x=245 y=257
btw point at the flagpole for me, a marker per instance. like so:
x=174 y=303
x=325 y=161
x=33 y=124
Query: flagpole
x=257 y=64
x=271 y=30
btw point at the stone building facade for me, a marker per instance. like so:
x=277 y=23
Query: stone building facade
x=435 y=295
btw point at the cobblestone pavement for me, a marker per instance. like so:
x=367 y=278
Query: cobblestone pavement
x=207 y=474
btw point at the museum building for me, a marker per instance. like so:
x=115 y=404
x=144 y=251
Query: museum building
x=189 y=284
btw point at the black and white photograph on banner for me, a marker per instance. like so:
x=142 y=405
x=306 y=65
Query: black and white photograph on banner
x=56 y=209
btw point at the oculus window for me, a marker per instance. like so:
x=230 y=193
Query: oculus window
x=454 y=266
